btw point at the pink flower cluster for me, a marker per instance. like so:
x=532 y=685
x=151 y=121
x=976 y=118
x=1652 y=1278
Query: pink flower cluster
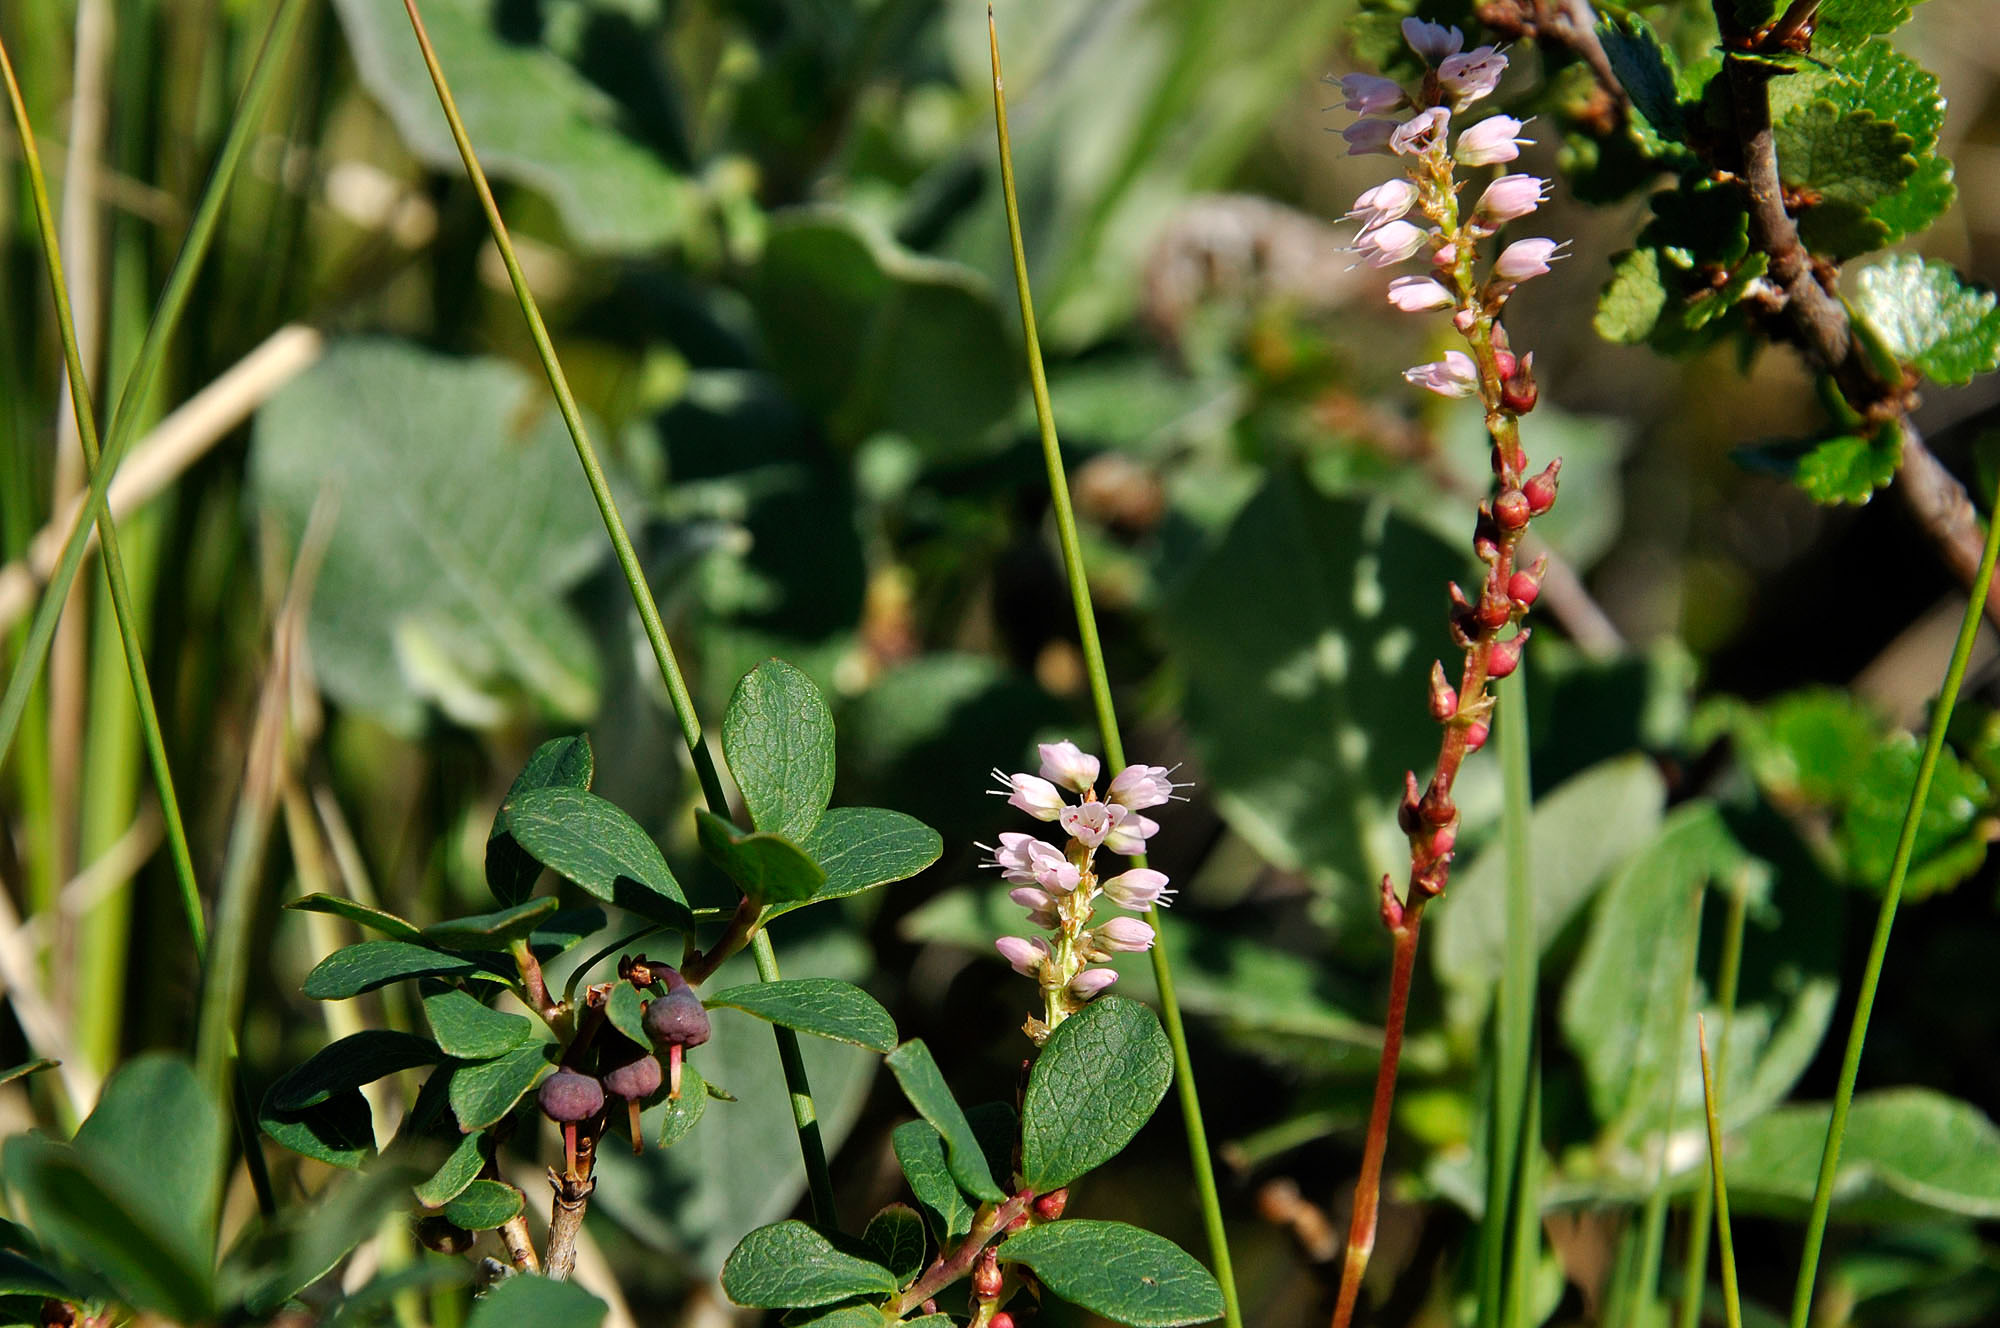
x=1060 y=887
x=1417 y=127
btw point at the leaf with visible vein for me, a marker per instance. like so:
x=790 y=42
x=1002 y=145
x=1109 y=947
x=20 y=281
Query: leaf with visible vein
x=823 y=1007
x=777 y=736
x=1127 y=1275
x=1099 y=1079
x=923 y=1083
x=789 y=1265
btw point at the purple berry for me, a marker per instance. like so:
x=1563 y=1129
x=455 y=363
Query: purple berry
x=570 y=1097
x=677 y=1019
x=635 y=1080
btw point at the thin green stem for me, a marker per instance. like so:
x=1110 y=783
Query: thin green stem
x=1694 y=1280
x=817 y=1176
x=107 y=533
x=1652 y=1240
x=152 y=355
x=1107 y=716
x=1514 y=1016
x=1732 y=1304
x=1885 y=921
x=1526 y=1253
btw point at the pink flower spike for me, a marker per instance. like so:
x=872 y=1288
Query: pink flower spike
x=1035 y=796
x=1509 y=198
x=1130 y=835
x=1453 y=376
x=1067 y=765
x=1384 y=203
x=1416 y=295
x=1432 y=41
x=1027 y=956
x=1473 y=75
x=1138 y=889
x=1090 y=823
x=1041 y=909
x=1365 y=136
x=1368 y=94
x=1137 y=787
x=1390 y=244
x=1526 y=258
x=1090 y=982
x=1124 y=936
x=1059 y=876
x=1420 y=132
x=1493 y=140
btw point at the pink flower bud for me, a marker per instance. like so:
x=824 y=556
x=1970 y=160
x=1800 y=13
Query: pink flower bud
x=1453 y=376
x=1366 y=136
x=1505 y=656
x=1140 y=786
x=1541 y=490
x=1066 y=765
x=1508 y=198
x=1492 y=141
x=1041 y=909
x=1384 y=203
x=1444 y=697
x=1475 y=736
x=1416 y=295
x=1050 y=1206
x=1089 y=823
x=1056 y=874
x=1510 y=510
x=1420 y=132
x=1129 y=836
x=1138 y=889
x=1524 y=588
x=1432 y=41
x=1526 y=258
x=1027 y=956
x=1090 y=982
x=1444 y=841
x=1392 y=907
x=1124 y=935
x=1473 y=75
x=1368 y=94
x=1465 y=318
x=1390 y=243
x=1031 y=794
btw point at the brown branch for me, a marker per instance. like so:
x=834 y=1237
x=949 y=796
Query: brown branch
x=519 y=1244
x=948 y=1268
x=572 y=1198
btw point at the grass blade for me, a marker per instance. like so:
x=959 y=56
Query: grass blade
x=1107 y=716
x=1731 y=1303
x=1653 y=1231
x=1694 y=1279
x=1514 y=1015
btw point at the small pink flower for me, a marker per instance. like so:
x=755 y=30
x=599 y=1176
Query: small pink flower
x=1368 y=94
x=1026 y=955
x=1453 y=376
x=1432 y=41
x=1057 y=874
x=1417 y=135
x=1124 y=935
x=1384 y=203
x=1041 y=909
x=1138 y=889
x=1493 y=140
x=1090 y=823
x=1473 y=75
x=1137 y=787
x=1090 y=982
x=1416 y=295
x=1509 y=198
x=1067 y=765
x=1013 y=857
x=1031 y=794
x=1130 y=835
x=1526 y=258
x=1390 y=243
x=1365 y=136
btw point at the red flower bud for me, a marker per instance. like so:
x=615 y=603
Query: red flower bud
x=1505 y=656
x=986 y=1275
x=1511 y=510
x=1444 y=699
x=1541 y=490
x=1495 y=613
x=1523 y=587
x=1505 y=362
x=1050 y=1206
x=1475 y=736
x=1002 y=1320
x=1406 y=811
x=1392 y=907
x=1444 y=841
x=1436 y=808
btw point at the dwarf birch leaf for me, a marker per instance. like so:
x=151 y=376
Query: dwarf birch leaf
x=471 y=1031
x=1847 y=469
x=1850 y=22
x=896 y=1234
x=484 y=1205
x=823 y=1007
x=1632 y=301
x=482 y=1094
x=592 y=842
x=920 y=1152
x=557 y=763
x=1924 y=198
x=375 y=919
x=1125 y=1274
x=1646 y=69
x=456 y=1172
x=1099 y=1079
x=777 y=736
x=357 y=1059
x=923 y=1083
x=1931 y=318
x=766 y=867
x=536 y=1302
x=1850 y=159
x=367 y=965
x=789 y=1265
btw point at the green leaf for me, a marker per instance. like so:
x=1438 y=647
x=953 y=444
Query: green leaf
x=788 y=1265
x=375 y=919
x=471 y=1031
x=1848 y=22
x=849 y=1316
x=896 y=1234
x=492 y=931
x=1807 y=746
x=920 y=1152
x=367 y=965
x=457 y=1171
x=777 y=736
x=357 y=1059
x=538 y=120
x=339 y=1131
x=1924 y=198
x=564 y=928
x=1908 y=1153
x=592 y=842
x=1848 y=469
x=1850 y=159
x=923 y=1083
x=1098 y=1080
x=1875 y=76
x=766 y=867
x=484 y=1205
x=626 y=1010
x=1125 y=1274
x=820 y=1006
x=278 y=1259
x=1646 y=69
x=874 y=338
x=447 y=569
x=860 y=848
x=24 y=1070
x=530 y=1301
x=20 y=1277
x=680 y=1114
x=1932 y=318
x=557 y=763
x=1578 y=834
x=1950 y=845
x=483 y=1094
x=1631 y=303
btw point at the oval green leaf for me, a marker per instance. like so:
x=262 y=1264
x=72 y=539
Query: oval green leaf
x=1127 y=1275
x=457 y=1171
x=471 y=1031
x=627 y=1010
x=481 y=1095
x=360 y=1058
x=923 y=1083
x=896 y=1235
x=860 y=848
x=484 y=1205
x=370 y=964
x=920 y=1152
x=680 y=1114
x=492 y=931
x=1098 y=1080
x=766 y=867
x=777 y=736
x=339 y=1131
x=361 y=915
x=823 y=1007
x=557 y=763
x=789 y=1265
x=592 y=842
x=536 y=1302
